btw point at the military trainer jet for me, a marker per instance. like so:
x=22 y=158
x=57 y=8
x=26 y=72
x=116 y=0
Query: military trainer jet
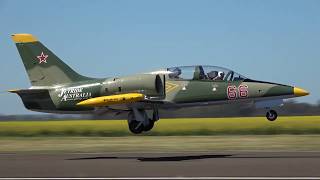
x=56 y=88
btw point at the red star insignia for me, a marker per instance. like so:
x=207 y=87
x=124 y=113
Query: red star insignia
x=42 y=58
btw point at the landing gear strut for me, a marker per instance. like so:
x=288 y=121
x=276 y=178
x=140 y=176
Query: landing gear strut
x=155 y=117
x=271 y=115
x=139 y=121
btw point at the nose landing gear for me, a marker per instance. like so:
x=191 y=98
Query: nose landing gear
x=272 y=115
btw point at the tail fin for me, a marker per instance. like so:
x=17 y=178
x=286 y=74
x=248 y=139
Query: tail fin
x=43 y=67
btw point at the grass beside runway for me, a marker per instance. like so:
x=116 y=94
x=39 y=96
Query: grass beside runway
x=153 y=144
x=165 y=127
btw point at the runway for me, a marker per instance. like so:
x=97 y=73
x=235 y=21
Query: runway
x=214 y=164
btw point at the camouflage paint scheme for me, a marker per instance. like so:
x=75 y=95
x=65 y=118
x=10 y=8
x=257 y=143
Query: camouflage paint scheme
x=58 y=88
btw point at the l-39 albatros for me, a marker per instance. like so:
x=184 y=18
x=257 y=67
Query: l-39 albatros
x=56 y=88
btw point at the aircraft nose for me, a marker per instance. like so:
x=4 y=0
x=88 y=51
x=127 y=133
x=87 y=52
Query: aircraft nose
x=300 y=92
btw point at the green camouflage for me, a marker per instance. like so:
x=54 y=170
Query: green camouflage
x=50 y=71
x=191 y=91
x=64 y=88
x=59 y=89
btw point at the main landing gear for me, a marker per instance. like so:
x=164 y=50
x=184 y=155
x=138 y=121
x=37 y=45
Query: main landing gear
x=272 y=115
x=138 y=120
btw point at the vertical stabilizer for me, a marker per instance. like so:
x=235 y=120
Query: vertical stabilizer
x=44 y=68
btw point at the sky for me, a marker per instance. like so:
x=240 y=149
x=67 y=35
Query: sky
x=277 y=41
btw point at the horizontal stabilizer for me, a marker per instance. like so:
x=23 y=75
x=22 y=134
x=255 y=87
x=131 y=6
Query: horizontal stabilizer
x=28 y=91
x=35 y=99
x=112 y=100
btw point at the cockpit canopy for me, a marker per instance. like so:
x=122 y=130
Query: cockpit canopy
x=199 y=72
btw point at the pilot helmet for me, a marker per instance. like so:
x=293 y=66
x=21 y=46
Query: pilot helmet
x=220 y=73
x=175 y=73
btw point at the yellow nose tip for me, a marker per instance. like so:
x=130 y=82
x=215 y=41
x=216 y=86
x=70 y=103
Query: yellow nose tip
x=300 y=92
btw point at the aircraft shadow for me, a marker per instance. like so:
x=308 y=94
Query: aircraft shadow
x=164 y=158
x=191 y=157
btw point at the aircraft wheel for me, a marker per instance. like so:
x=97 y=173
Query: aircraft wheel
x=271 y=115
x=150 y=125
x=136 y=127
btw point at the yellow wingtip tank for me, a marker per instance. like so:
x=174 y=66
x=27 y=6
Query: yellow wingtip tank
x=23 y=38
x=112 y=100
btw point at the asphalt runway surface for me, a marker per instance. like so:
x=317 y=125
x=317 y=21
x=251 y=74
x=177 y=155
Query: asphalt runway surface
x=218 y=164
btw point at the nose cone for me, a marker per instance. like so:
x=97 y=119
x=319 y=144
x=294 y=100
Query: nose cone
x=300 y=92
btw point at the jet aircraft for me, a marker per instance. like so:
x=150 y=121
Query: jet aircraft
x=56 y=88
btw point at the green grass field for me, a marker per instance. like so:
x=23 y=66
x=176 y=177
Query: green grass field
x=165 y=127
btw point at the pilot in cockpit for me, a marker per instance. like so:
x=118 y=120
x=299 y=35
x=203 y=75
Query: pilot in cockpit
x=215 y=75
x=212 y=75
x=220 y=75
x=175 y=73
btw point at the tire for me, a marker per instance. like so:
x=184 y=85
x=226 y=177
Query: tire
x=150 y=125
x=272 y=115
x=136 y=127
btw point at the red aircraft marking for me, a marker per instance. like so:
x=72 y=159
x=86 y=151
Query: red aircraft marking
x=42 y=58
